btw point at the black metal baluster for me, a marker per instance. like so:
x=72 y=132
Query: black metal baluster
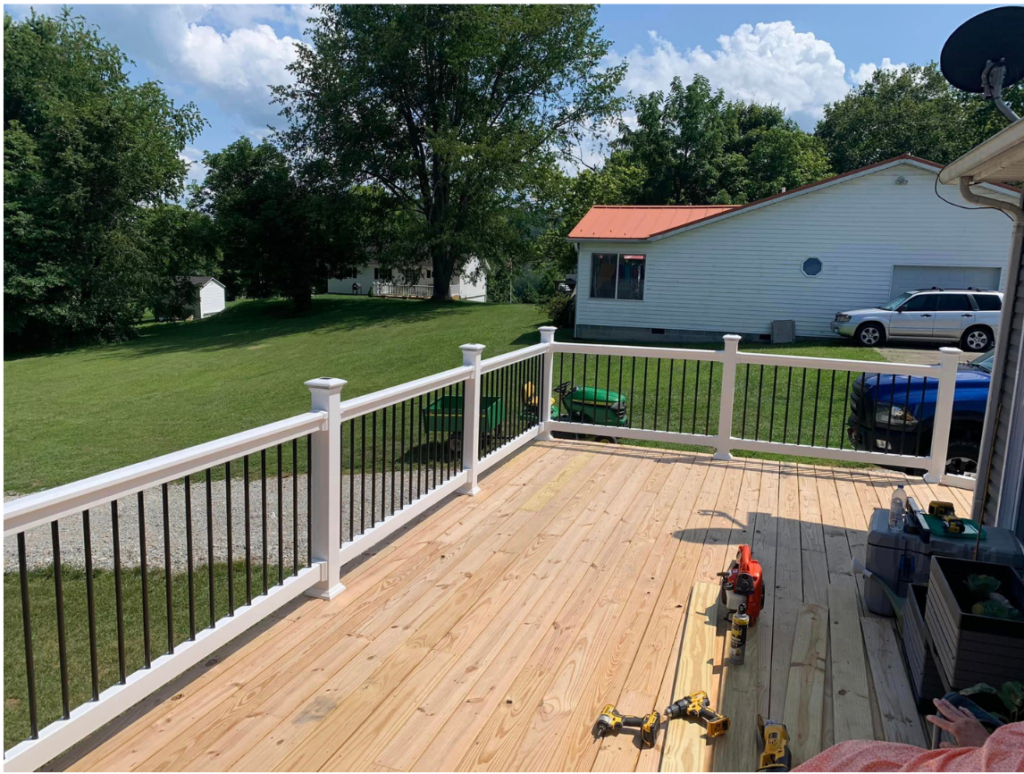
x=295 y=506
x=309 y=500
x=760 y=387
x=248 y=532
x=188 y=561
x=144 y=578
x=632 y=389
x=888 y=426
x=433 y=444
x=394 y=417
x=682 y=398
x=643 y=412
x=800 y=419
x=419 y=450
x=696 y=398
x=362 y=476
x=168 y=577
x=707 y=407
x=373 y=470
x=608 y=378
x=263 y=514
x=842 y=433
x=657 y=390
x=620 y=376
x=62 y=641
x=26 y=622
x=115 y=531
x=746 y=394
x=209 y=543
x=671 y=371
x=280 y=517
x=583 y=397
x=924 y=388
x=789 y=392
x=401 y=463
x=352 y=480
x=90 y=602
x=230 y=532
x=771 y=417
x=814 y=416
x=831 y=398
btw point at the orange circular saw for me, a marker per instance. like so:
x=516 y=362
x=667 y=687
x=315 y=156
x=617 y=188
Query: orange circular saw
x=743 y=584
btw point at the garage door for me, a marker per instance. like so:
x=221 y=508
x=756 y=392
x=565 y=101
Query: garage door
x=906 y=278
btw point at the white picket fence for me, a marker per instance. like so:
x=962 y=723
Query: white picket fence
x=323 y=423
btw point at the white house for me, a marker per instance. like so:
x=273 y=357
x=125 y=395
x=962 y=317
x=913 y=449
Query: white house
x=855 y=240
x=210 y=297
x=471 y=285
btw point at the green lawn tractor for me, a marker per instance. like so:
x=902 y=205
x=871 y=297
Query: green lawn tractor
x=583 y=405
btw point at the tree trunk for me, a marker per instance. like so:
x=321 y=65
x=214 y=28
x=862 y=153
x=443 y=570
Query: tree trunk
x=443 y=270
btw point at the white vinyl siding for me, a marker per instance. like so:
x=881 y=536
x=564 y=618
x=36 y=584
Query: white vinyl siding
x=740 y=273
x=211 y=299
x=906 y=278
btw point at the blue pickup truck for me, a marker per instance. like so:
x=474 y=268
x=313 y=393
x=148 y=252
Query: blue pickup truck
x=895 y=414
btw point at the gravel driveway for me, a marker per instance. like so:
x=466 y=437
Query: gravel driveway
x=39 y=551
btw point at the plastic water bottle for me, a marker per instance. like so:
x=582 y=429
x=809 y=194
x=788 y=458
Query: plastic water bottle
x=898 y=509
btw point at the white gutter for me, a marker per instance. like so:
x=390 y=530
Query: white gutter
x=992 y=407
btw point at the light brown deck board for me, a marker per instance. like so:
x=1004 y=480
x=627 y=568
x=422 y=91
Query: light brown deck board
x=488 y=634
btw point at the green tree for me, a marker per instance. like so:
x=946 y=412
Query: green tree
x=453 y=110
x=911 y=111
x=182 y=243
x=83 y=149
x=699 y=148
x=279 y=235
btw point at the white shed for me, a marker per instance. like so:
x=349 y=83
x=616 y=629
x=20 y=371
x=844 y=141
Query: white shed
x=852 y=241
x=210 y=297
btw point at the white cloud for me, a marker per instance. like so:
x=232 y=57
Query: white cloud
x=196 y=169
x=766 y=62
x=866 y=71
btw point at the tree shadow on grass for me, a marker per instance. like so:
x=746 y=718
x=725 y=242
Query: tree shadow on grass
x=258 y=321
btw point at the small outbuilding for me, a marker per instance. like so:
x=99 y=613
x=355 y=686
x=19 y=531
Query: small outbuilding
x=690 y=273
x=209 y=297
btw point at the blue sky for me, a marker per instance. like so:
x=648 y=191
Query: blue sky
x=222 y=57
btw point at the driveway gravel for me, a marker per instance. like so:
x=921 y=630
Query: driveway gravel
x=39 y=549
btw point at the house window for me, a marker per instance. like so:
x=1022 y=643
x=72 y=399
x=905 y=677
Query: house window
x=812 y=267
x=382 y=274
x=617 y=276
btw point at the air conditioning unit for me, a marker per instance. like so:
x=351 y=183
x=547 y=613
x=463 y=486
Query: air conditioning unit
x=783 y=331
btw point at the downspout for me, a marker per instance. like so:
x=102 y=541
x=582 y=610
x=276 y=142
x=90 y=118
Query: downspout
x=1016 y=212
x=576 y=304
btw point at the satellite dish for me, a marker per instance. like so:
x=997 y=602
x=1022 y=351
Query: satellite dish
x=986 y=54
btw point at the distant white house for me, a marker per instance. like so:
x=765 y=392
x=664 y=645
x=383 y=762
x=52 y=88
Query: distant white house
x=210 y=297
x=471 y=285
x=852 y=241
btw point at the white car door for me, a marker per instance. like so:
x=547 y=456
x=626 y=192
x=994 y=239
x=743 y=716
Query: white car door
x=916 y=318
x=954 y=313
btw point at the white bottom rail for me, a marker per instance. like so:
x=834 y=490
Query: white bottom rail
x=632 y=433
x=61 y=735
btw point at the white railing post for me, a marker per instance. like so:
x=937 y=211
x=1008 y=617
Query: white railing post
x=729 y=358
x=325 y=505
x=547 y=336
x=943 y=414
x=471 y=355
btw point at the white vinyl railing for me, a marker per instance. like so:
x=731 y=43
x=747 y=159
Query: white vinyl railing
x=398 y=290
x=505 y=403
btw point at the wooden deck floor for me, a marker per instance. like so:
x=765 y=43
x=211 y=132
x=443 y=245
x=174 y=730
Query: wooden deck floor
x=489 y=634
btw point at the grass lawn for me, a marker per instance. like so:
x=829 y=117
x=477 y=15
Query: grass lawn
x=74 y=414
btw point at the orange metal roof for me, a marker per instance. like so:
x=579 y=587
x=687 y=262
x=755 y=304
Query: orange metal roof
x=640 y=222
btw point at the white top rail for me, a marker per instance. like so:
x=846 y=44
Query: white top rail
x=835 y=364
x=625 y=350
x=44 y=507
x=365 y=404
x=500 y=361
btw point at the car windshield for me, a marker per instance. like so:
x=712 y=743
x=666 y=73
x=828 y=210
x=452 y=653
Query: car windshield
x=984 y=363
x=893 y=305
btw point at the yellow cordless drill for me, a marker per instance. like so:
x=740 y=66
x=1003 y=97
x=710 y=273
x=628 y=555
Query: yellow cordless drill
x=698 y=705
x=775 y=738
x=611 y=721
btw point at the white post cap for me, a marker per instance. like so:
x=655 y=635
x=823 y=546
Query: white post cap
x=326 y=383
x=732 y=337
x=473 y=347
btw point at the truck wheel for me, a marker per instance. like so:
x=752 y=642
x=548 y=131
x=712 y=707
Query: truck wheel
x=870 y=335
x=962 y=458
x=976 y=339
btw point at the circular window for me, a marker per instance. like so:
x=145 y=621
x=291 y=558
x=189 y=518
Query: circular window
x=812 y=267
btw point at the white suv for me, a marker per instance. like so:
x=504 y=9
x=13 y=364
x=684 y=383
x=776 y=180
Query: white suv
x=968 y=317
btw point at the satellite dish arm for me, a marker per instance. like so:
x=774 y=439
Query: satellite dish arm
x=992 y=87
